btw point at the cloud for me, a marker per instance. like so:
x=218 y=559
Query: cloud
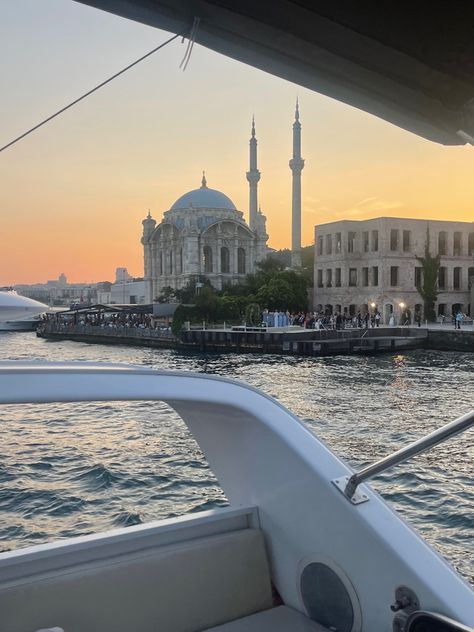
x=362 y=208
x=373 y=204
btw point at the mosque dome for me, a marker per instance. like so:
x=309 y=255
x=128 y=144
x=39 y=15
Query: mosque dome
x=204 y=198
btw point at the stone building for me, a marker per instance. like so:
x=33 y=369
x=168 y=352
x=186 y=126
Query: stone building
x=204 y=236
x=371 y=265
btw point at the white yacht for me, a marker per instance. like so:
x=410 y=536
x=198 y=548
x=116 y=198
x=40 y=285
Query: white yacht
x=19 y=313
x=305 y=545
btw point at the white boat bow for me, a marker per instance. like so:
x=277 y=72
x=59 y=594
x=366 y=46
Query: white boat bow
x=335 y=562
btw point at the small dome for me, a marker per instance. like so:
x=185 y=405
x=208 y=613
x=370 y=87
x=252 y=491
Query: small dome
x=204 y=198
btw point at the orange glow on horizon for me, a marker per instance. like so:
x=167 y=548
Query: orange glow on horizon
x=73 y=194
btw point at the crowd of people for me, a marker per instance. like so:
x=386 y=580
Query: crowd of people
x=107 y=320
x=321 y=320
x=307 y=320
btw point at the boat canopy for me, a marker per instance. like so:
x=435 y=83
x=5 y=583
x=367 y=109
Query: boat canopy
x=411 y=64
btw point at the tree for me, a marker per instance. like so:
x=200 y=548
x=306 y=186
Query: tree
x=168 y=295
x=253 y=314
x=276 y=294
x=207 y=303
x=429 y=288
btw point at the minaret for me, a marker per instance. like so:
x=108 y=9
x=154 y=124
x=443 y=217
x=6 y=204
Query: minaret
x=149 y=225
x=296 y=166
x=253 y=176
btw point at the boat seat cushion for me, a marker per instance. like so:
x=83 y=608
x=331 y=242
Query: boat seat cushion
x=281 y=619
x=185 y=587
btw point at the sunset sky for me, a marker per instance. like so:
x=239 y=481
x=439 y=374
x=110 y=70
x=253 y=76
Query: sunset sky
x=73 y=194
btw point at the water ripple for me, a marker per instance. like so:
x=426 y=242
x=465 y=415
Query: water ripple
x=88 y=467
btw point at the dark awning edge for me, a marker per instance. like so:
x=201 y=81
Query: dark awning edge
x=404 y=85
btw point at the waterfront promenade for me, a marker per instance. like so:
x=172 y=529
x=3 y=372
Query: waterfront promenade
x=290 y=340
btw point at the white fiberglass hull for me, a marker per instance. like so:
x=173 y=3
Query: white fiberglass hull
x=265 y=458
x=19 y=325
x=19 y=313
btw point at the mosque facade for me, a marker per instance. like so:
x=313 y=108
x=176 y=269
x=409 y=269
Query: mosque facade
x=204 y=236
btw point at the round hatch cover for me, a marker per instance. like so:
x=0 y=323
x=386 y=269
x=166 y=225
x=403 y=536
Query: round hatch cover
x=326 y=598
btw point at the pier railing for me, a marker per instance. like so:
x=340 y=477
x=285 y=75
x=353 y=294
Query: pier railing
x=114 y=331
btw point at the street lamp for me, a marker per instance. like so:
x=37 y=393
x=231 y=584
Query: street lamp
x=373 y=305
x=402 y=306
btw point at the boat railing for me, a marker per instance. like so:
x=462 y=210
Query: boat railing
x=349 y=485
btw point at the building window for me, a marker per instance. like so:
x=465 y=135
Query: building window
x=442 y=243
x=457 y=244
x=442 y=309
x=329 y=278
x=320 y=278
x=442 y=278
x=352 y=277
x=470 y=277
x=394 y=239
x=320 y=245
x=181 y=261
x=225 y=260
x=375 y=275
x=351 y=237
x=418 y=277
x=241 y=264
x=365 y=277
x=339 y=242
x=375 y=240
x=337 y=281
x=406 y=240
x=457 y=278
x=365 y=241
x=329 y=244
x=470 y=244
x=207 y=259
x=394 y=276
x=170 y=262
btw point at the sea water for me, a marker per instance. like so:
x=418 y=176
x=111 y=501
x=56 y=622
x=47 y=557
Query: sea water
x=71 y=469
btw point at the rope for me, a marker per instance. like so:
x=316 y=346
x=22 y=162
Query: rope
x=189 y=49
x=117 y=74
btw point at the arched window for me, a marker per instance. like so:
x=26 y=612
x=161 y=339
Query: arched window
x=207 y=259
x=180 y=271
x=160 y=263
x=240 y=261
x=225 y=260
x=170 y=262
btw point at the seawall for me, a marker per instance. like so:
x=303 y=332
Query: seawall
x=453 y=340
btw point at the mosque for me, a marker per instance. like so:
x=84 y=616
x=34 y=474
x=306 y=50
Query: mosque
x=204 y=235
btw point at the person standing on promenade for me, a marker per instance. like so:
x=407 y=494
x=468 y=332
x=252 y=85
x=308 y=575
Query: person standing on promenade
x=458 y=320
